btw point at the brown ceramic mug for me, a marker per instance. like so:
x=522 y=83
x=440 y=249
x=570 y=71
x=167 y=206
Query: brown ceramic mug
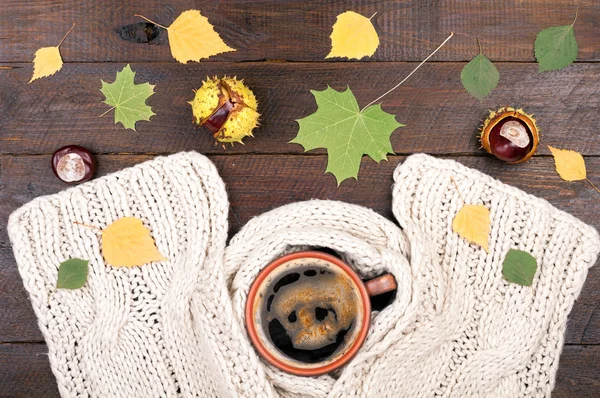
x=308 y=312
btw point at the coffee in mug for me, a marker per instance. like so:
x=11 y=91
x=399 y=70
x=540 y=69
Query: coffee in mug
x=308 y=312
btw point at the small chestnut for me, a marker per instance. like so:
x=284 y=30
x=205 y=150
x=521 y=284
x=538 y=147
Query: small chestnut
x=73 y=164
x=510 y=141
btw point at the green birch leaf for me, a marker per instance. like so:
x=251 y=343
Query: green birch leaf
x=346 y=132
x=128 y=99
x=556 y=47
x=72 y=274
x=519 y=267
x=480 y=77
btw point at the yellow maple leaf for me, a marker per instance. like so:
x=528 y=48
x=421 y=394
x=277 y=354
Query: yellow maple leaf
x=192 y=37
x=353 y=36
x=569 y=164
x=47 y=60
x=127 y=243
x=472 y=222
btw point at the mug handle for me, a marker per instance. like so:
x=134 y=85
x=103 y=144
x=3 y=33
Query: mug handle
x=381 y=284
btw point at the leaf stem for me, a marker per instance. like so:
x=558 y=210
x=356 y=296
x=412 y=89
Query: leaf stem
x=409 y=75
x=576 y=15
x=479 y=44
x=87 y=226
x=143 y=17
x=593 y=186
x=110 y=109
x=66 y=34
x=458 y=190
x=373 y=15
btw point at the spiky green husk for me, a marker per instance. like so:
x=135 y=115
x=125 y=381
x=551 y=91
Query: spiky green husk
x=242 y=119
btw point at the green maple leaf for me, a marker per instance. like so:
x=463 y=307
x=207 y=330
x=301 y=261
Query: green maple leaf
x=556 y=47
x=346 y=132
x=127 y=98
x=480 y=77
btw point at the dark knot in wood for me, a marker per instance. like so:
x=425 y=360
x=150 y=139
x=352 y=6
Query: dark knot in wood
x=141 y=32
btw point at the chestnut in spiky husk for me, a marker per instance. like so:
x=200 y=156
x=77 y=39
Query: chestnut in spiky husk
x=227 y=108
x=510 y=135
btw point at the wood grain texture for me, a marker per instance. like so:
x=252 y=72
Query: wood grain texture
x=578 y=373
x=440 y=116
x=297 y=30
x=259 y=183
x=27 y=372
x=293 y=37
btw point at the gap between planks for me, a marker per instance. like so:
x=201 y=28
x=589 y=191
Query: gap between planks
x=285 y=61
x=290 y=154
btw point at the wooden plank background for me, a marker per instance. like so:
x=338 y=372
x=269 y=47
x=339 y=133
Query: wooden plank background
x=297 y=30
x=281 y=48
x=439 y=115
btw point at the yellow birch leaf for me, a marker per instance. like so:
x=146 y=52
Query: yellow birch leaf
x=127 y=243
x=47 y=60
x=569 y=164
x=353 y=36
x=192 y=37
x=472 y=222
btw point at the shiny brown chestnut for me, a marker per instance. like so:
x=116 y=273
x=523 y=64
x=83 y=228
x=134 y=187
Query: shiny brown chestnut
x=73 y=164
x=510 y=135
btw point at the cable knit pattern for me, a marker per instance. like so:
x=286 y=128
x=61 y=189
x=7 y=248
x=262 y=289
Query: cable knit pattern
x=176 y=328
x=484 y=336
x=128 y=332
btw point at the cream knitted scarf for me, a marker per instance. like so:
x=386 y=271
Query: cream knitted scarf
x=176 y=328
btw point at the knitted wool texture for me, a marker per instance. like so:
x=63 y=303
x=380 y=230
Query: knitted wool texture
x=176 y=328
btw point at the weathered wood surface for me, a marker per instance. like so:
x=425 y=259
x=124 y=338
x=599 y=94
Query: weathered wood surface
x=258 y=183
x=296 y=30
x=293 y=37
x=440 y=116
x=26 y=372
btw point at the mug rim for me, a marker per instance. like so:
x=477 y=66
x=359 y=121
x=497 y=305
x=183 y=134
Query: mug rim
x=272 y=359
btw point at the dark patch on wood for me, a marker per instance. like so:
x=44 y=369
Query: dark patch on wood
x=141 y=32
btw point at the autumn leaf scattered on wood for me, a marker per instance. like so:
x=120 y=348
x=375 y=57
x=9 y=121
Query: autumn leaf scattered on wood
x=72 y=274
x=47 y=60
x=479 y=77
x=353 y=36
x=570 y=165
x=192 y=37
x=348 y=132
x=556 y=47
x=127 y=98
x=519 y=267
x=127 y=243
x=472 y=222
